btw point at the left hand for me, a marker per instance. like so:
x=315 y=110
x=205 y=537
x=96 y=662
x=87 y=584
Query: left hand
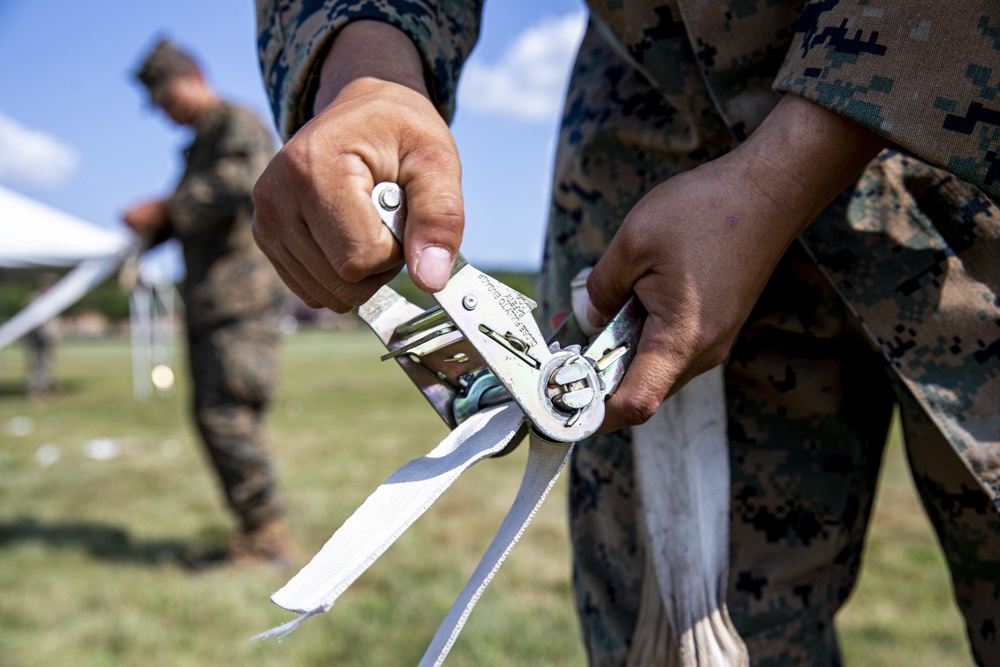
x=147 y=218
x=699 y=248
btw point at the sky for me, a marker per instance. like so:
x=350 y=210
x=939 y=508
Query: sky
x=76 y=133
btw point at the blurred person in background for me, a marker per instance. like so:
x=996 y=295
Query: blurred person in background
x=40 y=349
x=233 y=298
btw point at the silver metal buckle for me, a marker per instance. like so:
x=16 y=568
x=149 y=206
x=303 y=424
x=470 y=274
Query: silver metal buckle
x=481 y=346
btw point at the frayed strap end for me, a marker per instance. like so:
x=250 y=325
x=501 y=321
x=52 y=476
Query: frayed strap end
x=283 y=631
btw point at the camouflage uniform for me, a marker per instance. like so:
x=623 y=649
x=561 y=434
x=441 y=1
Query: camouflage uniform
x=891 y=296
x=233 y=301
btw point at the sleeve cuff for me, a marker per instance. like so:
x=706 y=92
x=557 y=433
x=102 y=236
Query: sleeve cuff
x=293 y=42
x=919 y=78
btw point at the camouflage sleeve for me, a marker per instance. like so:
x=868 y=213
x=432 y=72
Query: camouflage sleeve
x=214 y=186
x=293 y=36
x=925 y=74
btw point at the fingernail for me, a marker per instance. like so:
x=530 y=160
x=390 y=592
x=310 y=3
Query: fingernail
x=594 y=317
x=434 y=267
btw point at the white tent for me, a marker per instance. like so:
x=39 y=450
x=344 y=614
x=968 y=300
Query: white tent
x=34 y=236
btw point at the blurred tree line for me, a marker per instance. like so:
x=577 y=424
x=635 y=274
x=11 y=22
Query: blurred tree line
x=107 y=298
x=113 y=303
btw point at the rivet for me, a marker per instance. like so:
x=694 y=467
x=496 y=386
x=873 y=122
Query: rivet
x=389 y=199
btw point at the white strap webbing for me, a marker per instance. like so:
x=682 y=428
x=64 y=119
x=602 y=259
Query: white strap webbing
x=407 y=494
x=545 y=462
x=682 y=468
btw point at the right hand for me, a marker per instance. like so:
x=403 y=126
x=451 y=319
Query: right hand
x=314 y=217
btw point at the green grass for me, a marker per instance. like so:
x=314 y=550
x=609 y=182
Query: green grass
x=91 y=551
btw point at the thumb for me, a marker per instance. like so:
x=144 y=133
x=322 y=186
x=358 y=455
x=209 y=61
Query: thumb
x=434 y=221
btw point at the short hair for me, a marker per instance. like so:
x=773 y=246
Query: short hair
x=164 y=62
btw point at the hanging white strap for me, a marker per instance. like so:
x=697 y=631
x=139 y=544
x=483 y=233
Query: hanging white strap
x=403 y=498
x=545 y=462
x=388 y=512
x=682 y=466
x=140 y=315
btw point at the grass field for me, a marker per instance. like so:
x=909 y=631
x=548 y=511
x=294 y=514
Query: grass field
x=101 y=497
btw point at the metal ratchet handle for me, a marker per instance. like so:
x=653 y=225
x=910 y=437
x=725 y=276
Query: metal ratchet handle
x=558 y=390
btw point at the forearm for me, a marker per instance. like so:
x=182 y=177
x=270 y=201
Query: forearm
x=369 y=49
x=799 y=159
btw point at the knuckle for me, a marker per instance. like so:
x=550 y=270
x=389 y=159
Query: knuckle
x=261 y=233
x=352 y=265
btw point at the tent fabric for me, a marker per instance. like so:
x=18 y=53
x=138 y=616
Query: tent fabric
x=35 y=236
x=85 y=277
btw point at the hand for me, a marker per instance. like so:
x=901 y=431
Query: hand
x=375 y=122
x=699 y=248
x=147 y=218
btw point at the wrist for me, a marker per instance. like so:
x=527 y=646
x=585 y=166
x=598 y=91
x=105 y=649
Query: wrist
x=805 y=155
x=369 y=49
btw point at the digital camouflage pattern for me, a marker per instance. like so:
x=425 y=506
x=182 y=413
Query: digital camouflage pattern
x=233 y=300
x=877 y=62
x=292 y=38
x=892 y=295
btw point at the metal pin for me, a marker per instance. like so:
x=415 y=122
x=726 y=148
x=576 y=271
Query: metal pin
x=389 y=199
x=611 y=356
x=469 y=301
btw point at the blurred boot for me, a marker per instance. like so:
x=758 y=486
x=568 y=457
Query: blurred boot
x=268 y=544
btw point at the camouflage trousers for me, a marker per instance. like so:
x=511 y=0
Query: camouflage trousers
x=809 y=403
x=234 y=367
x=830 y=348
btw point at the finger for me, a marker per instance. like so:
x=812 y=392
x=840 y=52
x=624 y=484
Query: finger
x=301 y=281
x=611 y=282
x=658 y=365
x=330 y=190
x=435 y=218
x=308 y=251
x=336 y=294
x=281 y=233
x=344 y=226
x=263 y=227
x=355 y=294
x=296 y=288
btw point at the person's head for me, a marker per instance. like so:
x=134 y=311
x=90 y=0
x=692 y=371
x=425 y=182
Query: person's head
x=175 y=83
